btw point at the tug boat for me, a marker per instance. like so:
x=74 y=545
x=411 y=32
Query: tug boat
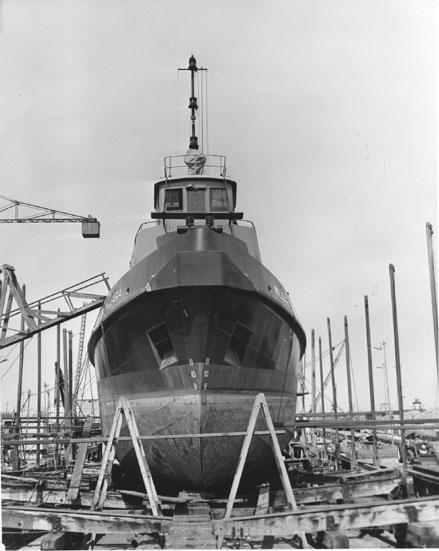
x=195 y=329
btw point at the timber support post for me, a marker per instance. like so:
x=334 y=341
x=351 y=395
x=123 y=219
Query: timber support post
x=376 y=460
x=260 y=403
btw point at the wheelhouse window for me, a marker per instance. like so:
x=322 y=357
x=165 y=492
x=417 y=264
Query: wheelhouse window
x=161 y=345
x=173 y=199
x=238 y=345
x=218 y=200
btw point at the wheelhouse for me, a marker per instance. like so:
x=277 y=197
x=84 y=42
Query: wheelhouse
x=184 y=202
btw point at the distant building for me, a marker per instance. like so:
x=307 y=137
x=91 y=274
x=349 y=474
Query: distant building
x=417 y=405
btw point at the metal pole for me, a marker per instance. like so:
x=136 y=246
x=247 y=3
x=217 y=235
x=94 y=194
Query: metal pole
x=38 y=388
x=322 y=394
x=371 y=387
x=431 y=266
x=334 y=393
x=351 y=406
x=398 y=364
x=313 y=382
x=19 y=387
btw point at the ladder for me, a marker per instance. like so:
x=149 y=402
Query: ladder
x=80 y=351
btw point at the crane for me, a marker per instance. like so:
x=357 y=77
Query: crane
x=36 y=319
x=19 y=212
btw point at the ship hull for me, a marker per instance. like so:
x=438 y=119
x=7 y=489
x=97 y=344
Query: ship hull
x=190 y=337
x=193 y=463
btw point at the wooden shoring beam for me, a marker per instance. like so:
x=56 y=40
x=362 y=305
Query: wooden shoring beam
x=38 y=518
x=260 y=404
x=97 y=439
x=331 y=518
x=57 y=493
x=429 y=477
x=329 y=493
x=52 y=496
x=124 y=409
x=347 y=491
x=75 y=483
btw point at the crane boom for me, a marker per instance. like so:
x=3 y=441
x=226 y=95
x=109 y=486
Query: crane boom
x=20 y=212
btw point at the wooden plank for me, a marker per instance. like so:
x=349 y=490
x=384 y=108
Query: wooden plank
x=141 y=457
x=55 y=493
x=347 y=492
x=107 y=462
x=260 y=403
x=38 y=518
x=78 y=469
x=333 y=518
x=59 y=497
x=191 y=525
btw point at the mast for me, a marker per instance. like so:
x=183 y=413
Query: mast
x=193 y=102
x=194 y=159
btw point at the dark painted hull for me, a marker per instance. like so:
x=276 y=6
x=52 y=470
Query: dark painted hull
x=200 y=463
x=227 y=340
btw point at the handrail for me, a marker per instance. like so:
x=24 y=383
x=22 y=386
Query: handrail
x=217 y=162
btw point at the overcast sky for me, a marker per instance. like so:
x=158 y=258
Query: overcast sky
x=326 y=112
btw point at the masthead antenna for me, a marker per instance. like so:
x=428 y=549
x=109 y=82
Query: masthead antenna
x=193 y=101
x=193 y=104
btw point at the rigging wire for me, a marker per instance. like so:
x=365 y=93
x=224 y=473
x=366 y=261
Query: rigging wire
x=178 y=105
x=206 y=115
x=15 y=359
x=200 y=116
x=326 y=353
x=353 y=382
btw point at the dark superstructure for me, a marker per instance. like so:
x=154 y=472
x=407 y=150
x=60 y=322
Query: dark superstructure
x=196 y=328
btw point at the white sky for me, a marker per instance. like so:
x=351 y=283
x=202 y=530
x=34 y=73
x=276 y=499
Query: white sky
x=324 y=108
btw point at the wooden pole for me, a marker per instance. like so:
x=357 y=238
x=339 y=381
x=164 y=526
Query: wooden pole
x=71 y=451
x=331 y=360
x=303 y=383
x=322 y=394
x=349 y=381
x=67 y=415
x=38 y=456
x=334 y=393
x=371 y=387
x=70 y=334
x=19 y=387
x=57 y=381
x=57 y=369
x=431 y=266
x=313 y=381
x=398 y=364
